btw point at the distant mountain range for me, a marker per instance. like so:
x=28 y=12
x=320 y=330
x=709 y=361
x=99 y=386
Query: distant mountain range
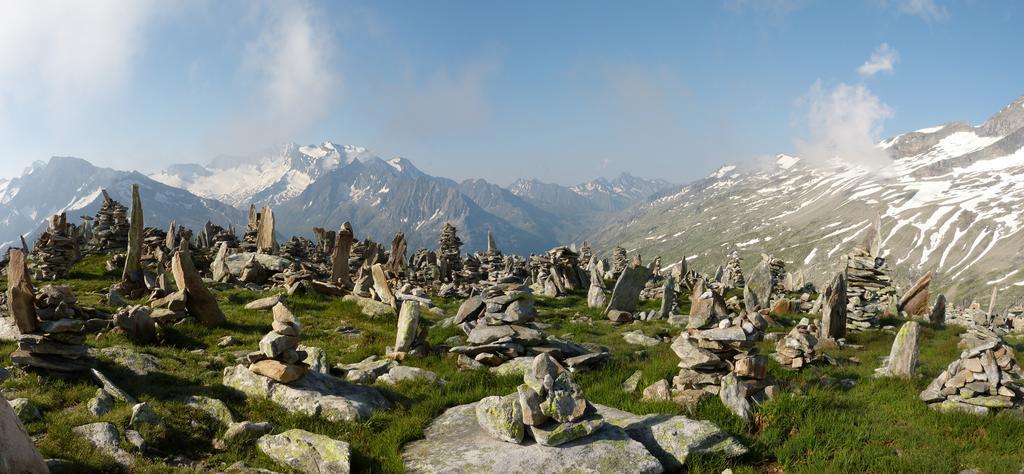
x=325 y=185
x=950 y=202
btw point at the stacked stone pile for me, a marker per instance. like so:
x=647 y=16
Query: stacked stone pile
x=732 y=276
x=869 y=289
x=797 y=349
x=983 y=379
x=499 y=327
x=718 y=344
x=558 y=272
x=548 y=407
x=619 y=261
x=56 y=250
x=110 y=230
x=54 y=344
x=449 y=252
x=767 y=281
x=279 y=358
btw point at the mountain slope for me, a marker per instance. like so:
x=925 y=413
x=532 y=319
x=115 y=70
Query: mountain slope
x=948 y=202
x=73 y=185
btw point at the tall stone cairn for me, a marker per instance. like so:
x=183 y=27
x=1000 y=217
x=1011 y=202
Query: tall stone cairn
x=56 y=250
x=732 y=275
x=449 y=251
x=110 y=231
x=619 y=260
x=340 y=271
x=586 y=253
x=252 y=228
x=279 y=357
x=869 y=290
x=133 y=276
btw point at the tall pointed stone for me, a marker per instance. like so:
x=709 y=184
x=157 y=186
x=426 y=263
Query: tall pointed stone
x=915 y=300
x=668 y=297
x=199 y=302
x=219 y=267
x=171 y=240
x=626 y=293
x=396 y=259
x=133 y=275
x=992 y=302
x=340 y=272
x=408 y=326
x=20 y=293
x=266 y=241
x=17 y=452
x=902 y=361
x=381 y=286
x=833 y=309
x=595 y=296
x=938 y=314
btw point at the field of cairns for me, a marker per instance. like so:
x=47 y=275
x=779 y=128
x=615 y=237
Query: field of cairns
x=130 y=348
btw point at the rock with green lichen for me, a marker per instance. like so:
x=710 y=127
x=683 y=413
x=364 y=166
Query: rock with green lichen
x=456 y=443
x=213 y=407
x=555 y=434
x=315 y=394
x=502 y=418
x=307 y=452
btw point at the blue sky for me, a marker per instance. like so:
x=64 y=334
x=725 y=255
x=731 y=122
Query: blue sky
x=563 y=91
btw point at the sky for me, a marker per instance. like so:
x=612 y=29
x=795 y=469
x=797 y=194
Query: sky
x=563 y=91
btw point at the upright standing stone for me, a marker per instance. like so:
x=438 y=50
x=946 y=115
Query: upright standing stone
x=833 y=309
x=938 y=315
x=381 y=287
x=170 y=240
x=266 y=241
x=668 y=298
x=760 y=282
x=595 y=296
x=133 y=275
x=408 y=326
x=626 y=294
x=992 y=303
x=396 y=259
x=339 y=260
x=199 y=302
x=219 y=267
x=915 y=300
x=902 y=360
x=20 y=294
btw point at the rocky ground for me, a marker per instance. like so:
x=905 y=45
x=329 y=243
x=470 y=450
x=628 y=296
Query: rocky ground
x=825 y=418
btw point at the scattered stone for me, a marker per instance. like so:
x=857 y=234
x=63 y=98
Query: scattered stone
x=143 y=414
x=101 y=403
x=200 y=303
x=658 y=391
x=25 y=410
x=105 y=437
x=637 y=337
x=19 y=454
x=307 y=452
x=915 y=301
x=984 y=378
x=633 y=382
x=314 y=394
x=902 y=360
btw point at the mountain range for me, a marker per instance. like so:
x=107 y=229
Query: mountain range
x=947 y=202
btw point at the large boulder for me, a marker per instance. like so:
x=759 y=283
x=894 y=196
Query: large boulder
x=314 y=394
x=455 y=443
x=307 y=452
x=273 y=263
x=17 y=454
x=915 y=301
x=902 y=361
x=201 y=304
x=626 y=294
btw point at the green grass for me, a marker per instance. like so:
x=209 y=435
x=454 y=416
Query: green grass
x=878 y=425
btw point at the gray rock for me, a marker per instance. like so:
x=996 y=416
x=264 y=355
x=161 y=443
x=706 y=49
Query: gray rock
x=556 y=434
x=367 y=370
x=637 y=337
x=401 y=373
x=734 y=396
x=18 y=454
x=263 y=304
x=564 y=400
x=673 y=438
x=314 y=394
x=236 y=262
x=542 y=367
x=902 y=361
x=529 y=404
x=273 y=345
x=455 y=443
x=633 y=382
x=135 y=439
x=516 y=367
x=25 y=410
x=211 y=406
x=247 y=430
x=626 y=293
x=112 y=389
x=833 y=310
x=370 y=307
x=408 y=326
x=137 y=362
x=101 y=403
x=307 y=452
x=501 y=418
x=316 y=359
x=143 y=414
x=105 y=437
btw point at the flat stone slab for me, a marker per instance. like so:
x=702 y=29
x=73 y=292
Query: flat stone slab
x=314 y=394
x=455 y=443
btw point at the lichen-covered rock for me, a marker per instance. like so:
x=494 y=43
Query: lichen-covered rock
x=213 y=407
x=18 y=454
x=315 y=394
x=555 y=434
x=673 y=438
x=370 y=307
x=25 y=410
x=455 y=443
x=101 y=404
x=307 y=452
x=105 y=437
x=501 y=417
x=143 y=414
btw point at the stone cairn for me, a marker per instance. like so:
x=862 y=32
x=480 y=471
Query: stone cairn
x=984 y=378
x=499 y=327
x=279 y=358
x=869 y=290
x=449 y=252
x=110 y=231
x=586 y=253
x=558 y=272
x=56 y=250
x=619 y=261
x=717 y=354
x=54 y=344
x=732 y=275
x=797 y=349
x=549 y=405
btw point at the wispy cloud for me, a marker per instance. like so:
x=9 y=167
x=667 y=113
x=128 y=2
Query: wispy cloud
x=843 y=123
x=927 y=10
x=296 y=80
x=67 y=56
x=883 y=59
x=776 y=8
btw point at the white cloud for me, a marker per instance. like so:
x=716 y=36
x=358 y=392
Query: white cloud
x=883 y=59
x=844 y=123
x=927 y=10
x=67 y=55
x=296 y=80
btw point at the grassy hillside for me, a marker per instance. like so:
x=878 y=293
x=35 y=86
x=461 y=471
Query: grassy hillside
x=819 y=424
